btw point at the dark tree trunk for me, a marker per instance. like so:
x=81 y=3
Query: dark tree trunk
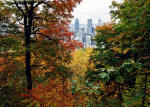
x=28 y=68
x=146 y=74
x=28 y=18
x=120 y=94
x=28 y=54
x=145 y=86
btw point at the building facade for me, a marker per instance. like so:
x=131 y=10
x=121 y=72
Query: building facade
x=85 y=34
x=76 y=25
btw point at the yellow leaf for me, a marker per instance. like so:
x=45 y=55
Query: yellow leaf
x=132 y=61
x=117 y=49
x=138 y=39
x=126 y=50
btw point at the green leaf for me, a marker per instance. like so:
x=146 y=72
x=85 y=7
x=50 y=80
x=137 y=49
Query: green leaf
x=114 y=101
x=91 y=91
x=74 y=81
x=138 y=65
x=74 y=90
x=90 y=84
x=119 y=79
x=104 y=75
x=130 y=69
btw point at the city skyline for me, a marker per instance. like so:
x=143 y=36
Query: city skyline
x=94 y=22
x=84 y=33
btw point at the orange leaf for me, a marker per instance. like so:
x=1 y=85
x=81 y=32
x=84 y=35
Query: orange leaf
x=126 y=50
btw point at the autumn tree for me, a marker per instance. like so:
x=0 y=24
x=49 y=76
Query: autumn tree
x=34 y=16
x=122 y=56
x=135 y=34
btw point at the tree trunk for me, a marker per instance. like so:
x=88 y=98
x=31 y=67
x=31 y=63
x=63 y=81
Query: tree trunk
x=145 y=86
x=120 y=94
x=28 y=54
x=28 y=18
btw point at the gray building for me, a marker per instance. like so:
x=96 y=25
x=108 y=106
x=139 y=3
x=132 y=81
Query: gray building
x=85 y=33
x=89 y=26
x=99 y=22
x=76 y=25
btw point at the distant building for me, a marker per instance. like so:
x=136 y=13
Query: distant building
x=88 y=40
x=76 y=25
x=89 y=26
x=85 y=33
x=99 y=22
x=82 y=30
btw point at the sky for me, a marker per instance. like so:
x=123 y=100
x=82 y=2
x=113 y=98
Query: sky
x=93 y=9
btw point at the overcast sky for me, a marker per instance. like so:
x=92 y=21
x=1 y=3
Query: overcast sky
x=93 y=9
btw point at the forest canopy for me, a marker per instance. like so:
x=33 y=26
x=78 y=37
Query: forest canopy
x=42 y=66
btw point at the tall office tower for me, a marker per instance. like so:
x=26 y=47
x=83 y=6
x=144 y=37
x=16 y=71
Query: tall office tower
x=89 y=26
x=99 y=22
x=76 y=25
x=82 y=30
x=90 y=22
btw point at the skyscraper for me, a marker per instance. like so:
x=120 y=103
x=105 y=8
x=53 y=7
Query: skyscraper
x=76 y=25
x=99 y=22
x=84 y=34
x=89 y=26
x=89 y=22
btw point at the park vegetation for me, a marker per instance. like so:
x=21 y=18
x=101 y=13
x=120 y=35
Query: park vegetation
x=41 y=66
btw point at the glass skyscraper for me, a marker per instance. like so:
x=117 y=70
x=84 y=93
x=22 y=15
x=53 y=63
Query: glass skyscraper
x=89 y=26
x=76 y=25
x=99 y=22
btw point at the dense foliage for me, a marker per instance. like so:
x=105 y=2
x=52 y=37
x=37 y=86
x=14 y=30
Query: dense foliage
x=122 y=57
x=34 y=57
x=114 y=74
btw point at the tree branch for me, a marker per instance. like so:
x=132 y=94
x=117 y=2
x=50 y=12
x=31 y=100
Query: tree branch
x=19 y=20
x=19 y=7
x=34 y=32
x=26 y=6
x=47 y=36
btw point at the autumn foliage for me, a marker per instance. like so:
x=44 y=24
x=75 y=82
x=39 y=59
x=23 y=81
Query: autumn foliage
x=39 y=50
x=41 y=66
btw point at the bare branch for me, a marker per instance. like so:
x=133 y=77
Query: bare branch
x=19 y=7
x=46 y=36
x=19 y=19
x=34 y=32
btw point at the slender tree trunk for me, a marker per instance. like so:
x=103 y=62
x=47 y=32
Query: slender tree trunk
x=28 y=54
x=145 y=86
x=28 y=60
x=146 y=75
x=120 y=94
x=28 y=18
